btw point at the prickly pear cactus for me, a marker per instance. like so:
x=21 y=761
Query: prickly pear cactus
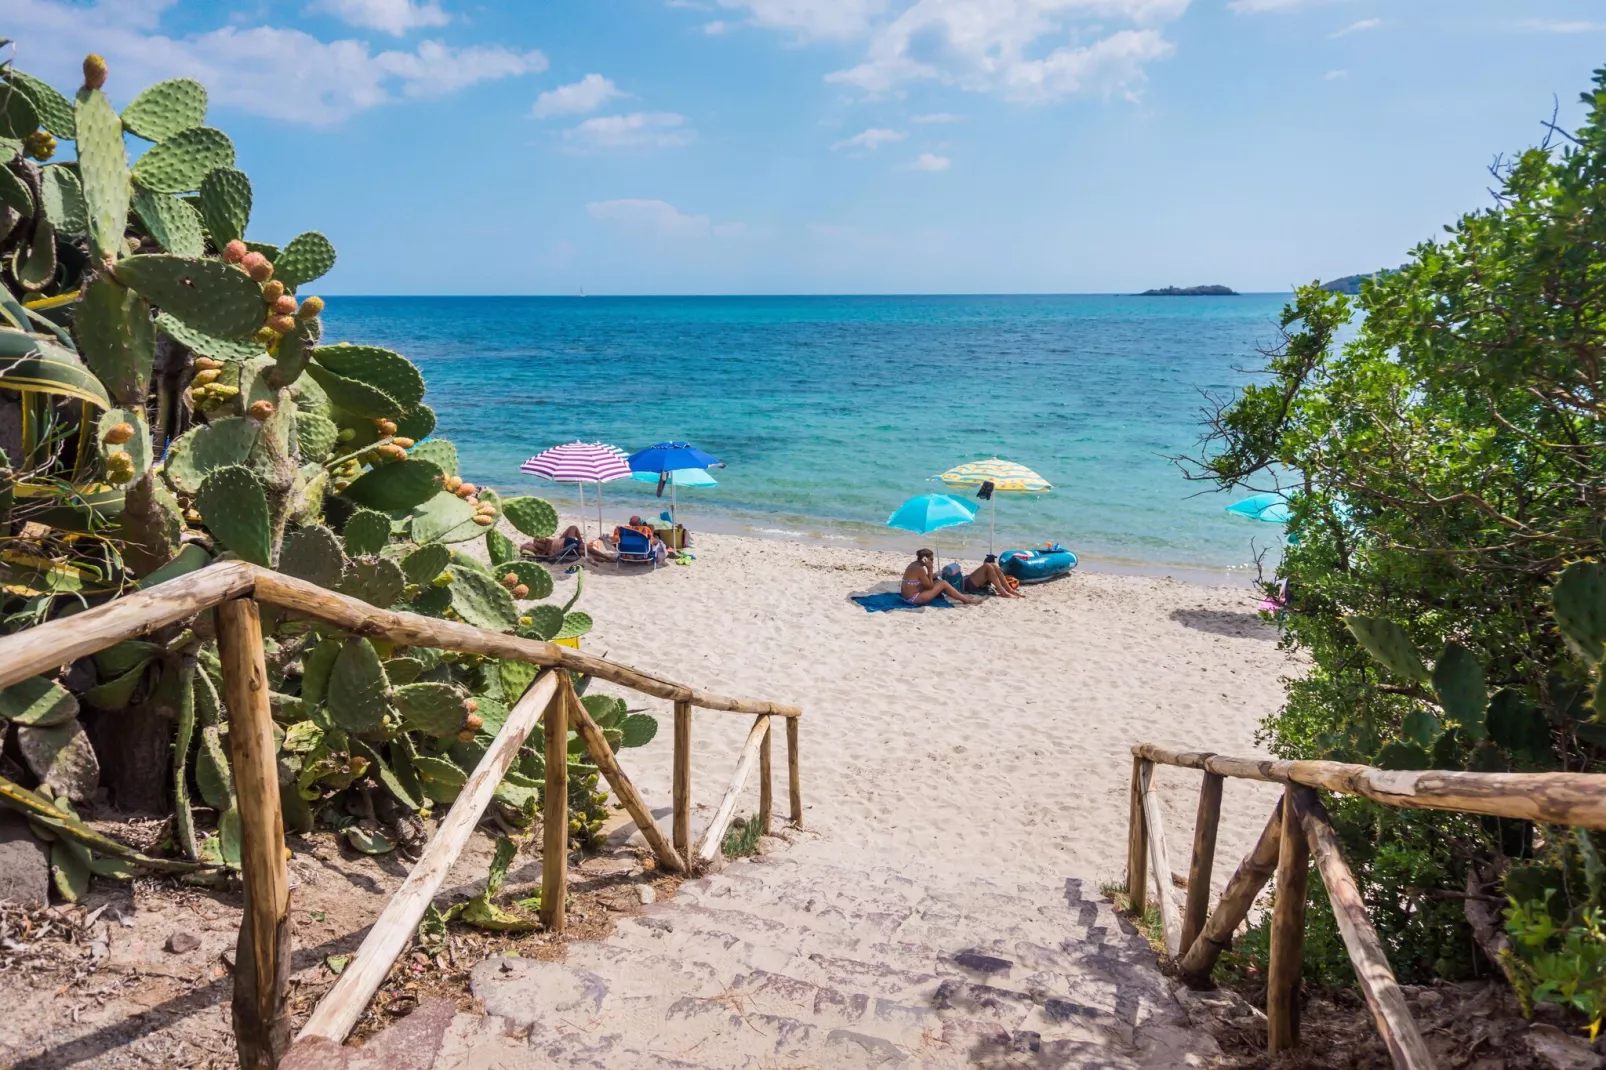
x=215 y=421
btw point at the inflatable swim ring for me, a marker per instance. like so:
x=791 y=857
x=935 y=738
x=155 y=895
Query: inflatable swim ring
x=1036 y=566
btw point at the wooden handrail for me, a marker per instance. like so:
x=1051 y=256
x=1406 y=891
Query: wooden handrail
x=1298 y=832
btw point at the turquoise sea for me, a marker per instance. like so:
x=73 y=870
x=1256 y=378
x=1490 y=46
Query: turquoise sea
x=830 y=411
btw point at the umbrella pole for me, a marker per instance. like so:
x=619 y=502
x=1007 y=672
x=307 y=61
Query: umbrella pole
x=599 y=508
x=581 y=487
x=992 y=525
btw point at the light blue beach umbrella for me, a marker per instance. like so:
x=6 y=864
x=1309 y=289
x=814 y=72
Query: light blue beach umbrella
x=680 y=477
x=1268 y=508
x=929 y=513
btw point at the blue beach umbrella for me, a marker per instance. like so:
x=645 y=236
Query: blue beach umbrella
x=668 y=457
x=1269 y=508
x=928 y=513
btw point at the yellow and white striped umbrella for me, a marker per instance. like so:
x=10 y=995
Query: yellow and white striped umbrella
x=1007 y=477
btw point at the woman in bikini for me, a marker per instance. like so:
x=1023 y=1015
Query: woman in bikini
x=920 y=586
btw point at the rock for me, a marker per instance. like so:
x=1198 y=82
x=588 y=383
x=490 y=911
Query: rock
x=183 y=942
x=24 y=862
x=646 y=893
x=1560 y=1051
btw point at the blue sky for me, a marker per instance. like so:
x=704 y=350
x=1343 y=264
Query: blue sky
x=846 y=146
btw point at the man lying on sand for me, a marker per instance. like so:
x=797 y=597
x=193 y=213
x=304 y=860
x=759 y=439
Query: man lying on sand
x=920 y=586
x=554 y=545
x=990 y=575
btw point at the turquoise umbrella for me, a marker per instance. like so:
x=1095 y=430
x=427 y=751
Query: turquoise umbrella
x=1269 y=508
x=680 y=477
x=929 y=513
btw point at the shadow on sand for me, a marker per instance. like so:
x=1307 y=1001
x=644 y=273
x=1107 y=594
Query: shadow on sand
x=1239 y=624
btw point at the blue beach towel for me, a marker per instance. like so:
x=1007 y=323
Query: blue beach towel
x=889 y=600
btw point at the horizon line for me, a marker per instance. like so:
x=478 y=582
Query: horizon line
x=781 y=293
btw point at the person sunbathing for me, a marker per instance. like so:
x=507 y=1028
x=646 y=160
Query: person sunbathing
x=636 y=524
x=920 y=586
x=990 y=575
x=554 y=545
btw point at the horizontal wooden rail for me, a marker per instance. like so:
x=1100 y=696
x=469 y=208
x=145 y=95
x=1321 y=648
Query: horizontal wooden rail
x=1552 y=798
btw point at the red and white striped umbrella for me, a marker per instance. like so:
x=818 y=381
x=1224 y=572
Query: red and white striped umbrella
x=581 y=463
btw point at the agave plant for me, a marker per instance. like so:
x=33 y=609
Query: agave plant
x=166 y=400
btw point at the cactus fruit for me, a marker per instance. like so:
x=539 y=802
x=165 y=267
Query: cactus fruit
x=392 y=451
x=257 y=266
x=521 y=592
x=310 y=307
x=235 y=252
x=94 y=71
x=266 y=336
x=483 y=521
x=118 y=434
x=465 y=490
x=510 y=580
x=473 y=722
x=205 y=376
x=272 y=290
x=471 y=705
x=403 y=443
x=385 y=427
x=260 y=410
x=40 y=145
x=208 y=363
x=281 y=325
x=452 y=483
x=119 y=468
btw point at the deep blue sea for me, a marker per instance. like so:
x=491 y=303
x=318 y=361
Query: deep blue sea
x=830 y=411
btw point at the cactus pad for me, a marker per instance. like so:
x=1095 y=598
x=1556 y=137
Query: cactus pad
x=151 y=526
x=434 y=709
x=116 y=339
x=313 y=554
x=225 y=204
x=308 y=256
x=391 y=372
x=18 y=116
x=575 y=624
x=1458 y=681
x=500 y=547
x=532 y=575
x=1389 y=646
x=64 y=201
x=416 y=421
x=34 y=264
x=181 y=162
x=366 y=532
x=357 y=398
x=377 y=581
x=137 y=448
x=208 y=295
x=61 y=756
x=207 y=345
x=234 y=506
x=482 y=601
x=638 y=730
x=103 y=171
x=397 y=486
x=166 y=108
x=535 y=517
x=546 y=621
x=315 y=435
x=440 y=778
x=55 y=111
x=1579 y=597
x=38 y=700
x=196 y=453
x=295 y=348
x=438 y=452
x=358 y=689
x=425 y=563
x=14 y=195
x=172 y=222
x=444 y=518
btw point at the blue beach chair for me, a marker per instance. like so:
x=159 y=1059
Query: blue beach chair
x=635 y=548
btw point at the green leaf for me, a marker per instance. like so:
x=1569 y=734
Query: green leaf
x=36 y=808
x=38 y=700
x=28 y=363
x=358 y=689
x=1389 y=646
x=1403 y=756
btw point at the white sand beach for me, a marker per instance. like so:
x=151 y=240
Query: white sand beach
x=977 y=739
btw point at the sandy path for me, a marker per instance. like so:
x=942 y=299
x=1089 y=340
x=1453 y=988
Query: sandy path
x=969 y=740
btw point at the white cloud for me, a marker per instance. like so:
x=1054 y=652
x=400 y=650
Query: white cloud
x=938 y=117
x=638 y=130
x=1333 y=76
x=390 y=16
x=999 y=46
x=715 y=28
x=280 y=73
x=1563 y=26
x=1360 y=26
x=577 y=98
x=660 y=219
x=811 y=18
x=869 y=140
x=930 y=161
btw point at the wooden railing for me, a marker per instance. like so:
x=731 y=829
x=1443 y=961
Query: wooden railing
x=232 y=591
x=1298 y=831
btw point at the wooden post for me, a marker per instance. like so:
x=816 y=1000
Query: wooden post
x=1160 y=865
x=397 y=926
x=1366 y=953
x=714 y=834
x=1251 y=876
x=1137 y=843
x=555 y=811
x=1203 y=861
x=597 y=744
x=794 y=783
x=262 y=956
x=1287 y=931
x=682 y=787
x=764 y=800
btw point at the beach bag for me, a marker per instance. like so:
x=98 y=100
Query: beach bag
x=953 y=573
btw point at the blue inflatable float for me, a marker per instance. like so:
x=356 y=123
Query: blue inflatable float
x=1036 y=566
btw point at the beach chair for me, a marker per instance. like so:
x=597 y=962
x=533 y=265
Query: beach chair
x=573 y=550
x=635 y=548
